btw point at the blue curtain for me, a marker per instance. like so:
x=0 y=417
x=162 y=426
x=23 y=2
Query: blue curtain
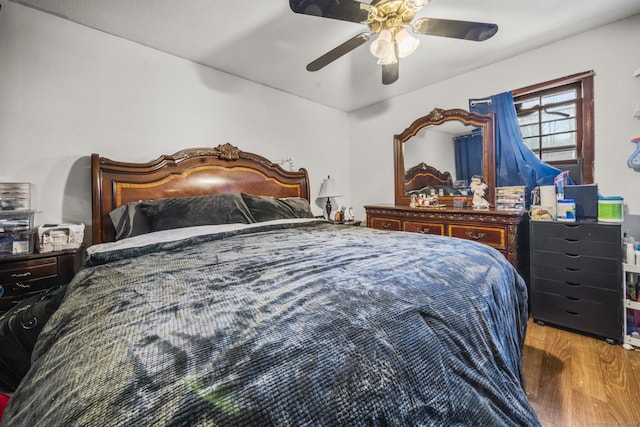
x=468 y=152
x=515 y=162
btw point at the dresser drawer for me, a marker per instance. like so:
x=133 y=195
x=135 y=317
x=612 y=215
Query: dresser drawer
x=423 y=227
x=492 y=236
x=385 y=224
x=577 y=277
x=22 y=271
x=576 y=262
x=596 y=318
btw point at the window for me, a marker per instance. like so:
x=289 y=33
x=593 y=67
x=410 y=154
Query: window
x=556 y=121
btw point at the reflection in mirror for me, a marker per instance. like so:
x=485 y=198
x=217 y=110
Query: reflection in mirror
x=444 y=149
x=453 y=148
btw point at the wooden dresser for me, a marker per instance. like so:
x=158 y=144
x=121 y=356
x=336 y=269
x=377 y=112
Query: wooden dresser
x=506 y=231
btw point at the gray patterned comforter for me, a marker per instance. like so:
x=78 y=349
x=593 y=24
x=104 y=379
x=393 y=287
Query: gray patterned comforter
x=289 y=325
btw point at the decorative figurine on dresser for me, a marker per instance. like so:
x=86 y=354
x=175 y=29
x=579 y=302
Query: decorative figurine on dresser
x=23 y=271
x=415 y=181
x=479 y=189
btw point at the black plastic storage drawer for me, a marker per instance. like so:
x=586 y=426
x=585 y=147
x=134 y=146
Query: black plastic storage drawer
x=590 y=231
x=576 y=276
x=591 y=317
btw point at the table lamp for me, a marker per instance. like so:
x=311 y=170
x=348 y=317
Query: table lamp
x=328 y=190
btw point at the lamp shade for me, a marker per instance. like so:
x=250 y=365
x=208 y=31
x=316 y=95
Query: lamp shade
x=328 y=189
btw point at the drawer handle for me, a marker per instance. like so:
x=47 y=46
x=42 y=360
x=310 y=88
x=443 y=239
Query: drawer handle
x=571 y=269
x=573 y=313
x=386 y=225
x=23 y=286
x=20 y=275
x=573 y=284
x=422 y=230
x=572 y=298
x=571 y=240
x=478 y=236
x=573 y=255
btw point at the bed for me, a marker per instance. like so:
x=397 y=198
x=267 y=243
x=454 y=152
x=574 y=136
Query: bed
x=270 y=316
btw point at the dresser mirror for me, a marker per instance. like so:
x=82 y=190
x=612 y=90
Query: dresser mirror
x=425 y=157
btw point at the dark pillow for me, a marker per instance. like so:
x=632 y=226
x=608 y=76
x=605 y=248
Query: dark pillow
x=128 y=221
x=178 y=212
x=265 y=208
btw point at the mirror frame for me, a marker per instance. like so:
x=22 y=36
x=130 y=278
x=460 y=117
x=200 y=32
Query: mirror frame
x=436 y=117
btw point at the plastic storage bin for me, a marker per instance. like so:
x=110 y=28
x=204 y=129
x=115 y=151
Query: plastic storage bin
x=510 y=198
x=16 y=196
x=16 y=243
x=11 y=221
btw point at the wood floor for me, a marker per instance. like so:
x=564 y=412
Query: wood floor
x=575 y=380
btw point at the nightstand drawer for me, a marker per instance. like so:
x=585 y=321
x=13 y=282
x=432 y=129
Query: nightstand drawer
x=596 y=318
x=21 y=271
x=423 y=227
x=26 y=286
x=576 y=262
x=6 y=303
x=385 y=224
x=492 y=236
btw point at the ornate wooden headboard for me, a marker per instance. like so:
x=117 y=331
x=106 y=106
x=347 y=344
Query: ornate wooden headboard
x=190 y=172
x=423 y=175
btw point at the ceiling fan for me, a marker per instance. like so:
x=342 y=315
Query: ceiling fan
x=389 y=21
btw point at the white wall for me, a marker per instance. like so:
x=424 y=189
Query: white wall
x=67 y=91
x=611 y=51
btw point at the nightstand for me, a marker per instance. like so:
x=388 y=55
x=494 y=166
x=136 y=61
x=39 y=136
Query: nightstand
x=22 y=276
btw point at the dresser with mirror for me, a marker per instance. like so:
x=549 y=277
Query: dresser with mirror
x=430 y=156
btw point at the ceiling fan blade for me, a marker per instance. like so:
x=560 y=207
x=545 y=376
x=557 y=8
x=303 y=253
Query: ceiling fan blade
x=344 y=10
x=339 y=51
x=390 y=73
x=466 y=30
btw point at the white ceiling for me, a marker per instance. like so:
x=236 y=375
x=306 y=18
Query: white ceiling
x=265 y=42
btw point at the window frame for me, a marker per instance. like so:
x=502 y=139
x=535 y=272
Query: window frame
x=584 y=115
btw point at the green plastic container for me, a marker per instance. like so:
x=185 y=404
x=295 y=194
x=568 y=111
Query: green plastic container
x=611 y=209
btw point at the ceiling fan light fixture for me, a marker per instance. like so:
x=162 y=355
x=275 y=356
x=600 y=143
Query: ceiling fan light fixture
x=389 y=59
x=414 y=5
x=382 y=46
x=406 y=43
